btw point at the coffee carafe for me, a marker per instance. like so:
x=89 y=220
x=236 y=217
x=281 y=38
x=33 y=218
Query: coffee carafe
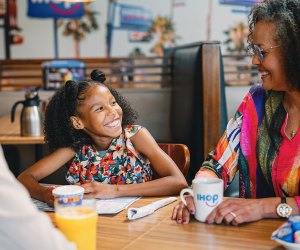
x=31 y=118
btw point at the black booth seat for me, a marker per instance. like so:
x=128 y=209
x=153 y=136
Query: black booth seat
x=198 y=104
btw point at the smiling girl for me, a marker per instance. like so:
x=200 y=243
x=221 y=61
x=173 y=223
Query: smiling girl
x=90 y=128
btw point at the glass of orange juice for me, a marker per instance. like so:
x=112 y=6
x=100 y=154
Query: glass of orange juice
x=78 y=223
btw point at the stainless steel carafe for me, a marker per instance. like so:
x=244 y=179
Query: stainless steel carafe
x=31 y=119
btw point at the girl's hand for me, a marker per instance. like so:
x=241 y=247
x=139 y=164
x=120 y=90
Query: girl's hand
x=48 y=197
x=99 y=190
x=181 y=213
x=236 y=211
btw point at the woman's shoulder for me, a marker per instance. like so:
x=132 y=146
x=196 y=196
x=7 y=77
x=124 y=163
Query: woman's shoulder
x=257 y=94
x=257 y=90
x=254 y=99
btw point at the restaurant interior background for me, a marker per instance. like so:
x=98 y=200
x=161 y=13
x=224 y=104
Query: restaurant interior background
x=130 y=28
x=193 y=21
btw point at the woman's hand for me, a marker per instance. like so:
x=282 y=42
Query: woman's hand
x=232 y=211
x=181 y=213
x=236 y=211
x=99 y=190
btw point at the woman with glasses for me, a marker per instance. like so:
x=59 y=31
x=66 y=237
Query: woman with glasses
x=262 y=141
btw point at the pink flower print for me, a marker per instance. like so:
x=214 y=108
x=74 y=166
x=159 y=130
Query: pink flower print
x=113 y=180
x=137 y=169
x=83 y=150
x=93 y=170
x=107 y=160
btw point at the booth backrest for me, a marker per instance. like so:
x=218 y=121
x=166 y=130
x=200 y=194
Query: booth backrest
x=123 y=72
x=198 y=107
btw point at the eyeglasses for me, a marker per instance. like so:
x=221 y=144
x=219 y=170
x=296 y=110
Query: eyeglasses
x=261 y=53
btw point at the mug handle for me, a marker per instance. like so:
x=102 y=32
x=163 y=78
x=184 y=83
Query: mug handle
x=183 y=191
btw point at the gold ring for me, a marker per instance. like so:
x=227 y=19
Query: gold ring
x=233 y=214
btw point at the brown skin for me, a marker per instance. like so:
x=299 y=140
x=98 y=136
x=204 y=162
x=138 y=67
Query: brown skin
x=100 y=116
x=273 y=78
x=246 y=210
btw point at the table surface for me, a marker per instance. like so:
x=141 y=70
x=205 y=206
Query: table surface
x=10 y=132
x=158 y=231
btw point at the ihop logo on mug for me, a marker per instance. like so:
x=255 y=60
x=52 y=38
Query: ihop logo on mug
x=210 y=200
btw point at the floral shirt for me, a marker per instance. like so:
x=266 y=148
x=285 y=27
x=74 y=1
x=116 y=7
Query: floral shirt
x=119 y=164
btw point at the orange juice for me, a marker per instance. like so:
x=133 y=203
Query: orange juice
x=79 y=225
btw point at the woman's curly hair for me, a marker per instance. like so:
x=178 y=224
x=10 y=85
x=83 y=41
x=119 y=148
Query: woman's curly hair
x=285 y=14
x=58 y=129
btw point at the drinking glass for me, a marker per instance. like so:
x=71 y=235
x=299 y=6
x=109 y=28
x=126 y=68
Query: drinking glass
x=78 y=223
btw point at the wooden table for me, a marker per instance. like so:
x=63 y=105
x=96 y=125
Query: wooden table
x=159 y=232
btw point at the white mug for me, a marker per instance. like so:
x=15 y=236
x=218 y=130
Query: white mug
x=207 y=193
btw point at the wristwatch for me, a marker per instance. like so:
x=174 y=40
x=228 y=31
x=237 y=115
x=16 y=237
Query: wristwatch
x=283 y=209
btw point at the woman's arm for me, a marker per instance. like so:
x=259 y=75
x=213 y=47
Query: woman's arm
x=171 y=179
x=236 y=211
x=44 y=167
x=223 y=161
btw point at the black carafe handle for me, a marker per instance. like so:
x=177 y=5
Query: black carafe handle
x=13 y=110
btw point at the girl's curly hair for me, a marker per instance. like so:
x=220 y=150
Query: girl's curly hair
x=58 y=129
x=285 y=14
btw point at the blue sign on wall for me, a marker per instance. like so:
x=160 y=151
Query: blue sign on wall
x=132 y=17
x=240 y=2
x=54 y=9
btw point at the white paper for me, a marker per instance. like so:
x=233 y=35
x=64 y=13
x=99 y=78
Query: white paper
x=43 y=206
x=136 y=213
x=107 y=206
x=113 y=206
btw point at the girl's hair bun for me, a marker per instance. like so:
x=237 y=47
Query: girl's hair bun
x=98 y=75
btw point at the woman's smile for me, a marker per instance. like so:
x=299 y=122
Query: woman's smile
x=264 y=74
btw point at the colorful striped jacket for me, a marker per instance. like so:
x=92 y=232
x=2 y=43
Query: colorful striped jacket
x=255 y=143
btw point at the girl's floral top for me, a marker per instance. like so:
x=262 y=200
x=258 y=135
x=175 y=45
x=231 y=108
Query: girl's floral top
x=255 y=143
x=119 y=164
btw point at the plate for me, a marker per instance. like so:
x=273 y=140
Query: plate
x=287 y=245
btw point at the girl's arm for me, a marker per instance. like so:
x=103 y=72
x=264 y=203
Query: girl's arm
x=171 y=179
x=41 y=169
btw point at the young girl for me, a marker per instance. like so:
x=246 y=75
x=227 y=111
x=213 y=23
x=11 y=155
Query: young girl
x=88 y=126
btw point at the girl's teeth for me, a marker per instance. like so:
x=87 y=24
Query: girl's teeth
x=113 y=124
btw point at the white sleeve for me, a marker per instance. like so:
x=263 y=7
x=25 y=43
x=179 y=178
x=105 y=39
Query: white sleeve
x=22 y=226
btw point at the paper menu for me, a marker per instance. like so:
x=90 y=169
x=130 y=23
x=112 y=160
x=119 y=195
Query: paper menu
x=106 y=206
x=113 y=206
x=42 y=206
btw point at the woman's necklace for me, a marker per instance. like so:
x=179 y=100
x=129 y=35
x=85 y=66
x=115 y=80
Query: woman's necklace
x=293 y=117
x=293 y=132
